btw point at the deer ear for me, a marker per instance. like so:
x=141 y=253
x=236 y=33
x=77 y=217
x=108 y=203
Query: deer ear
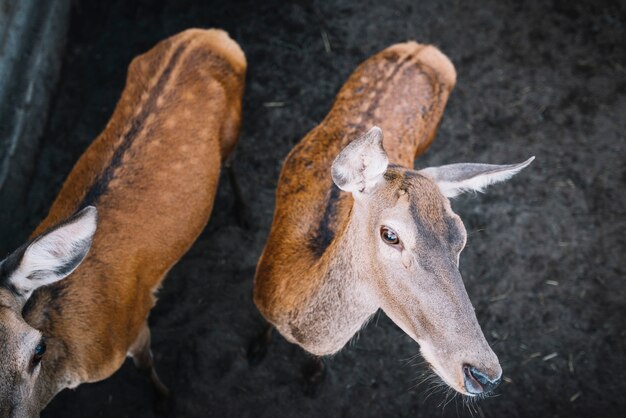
x=362 y=163
x=51 y=256
x=455 y=179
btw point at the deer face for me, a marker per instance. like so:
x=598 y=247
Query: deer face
x=46 y=259
x=20 y=360
x=411 y=245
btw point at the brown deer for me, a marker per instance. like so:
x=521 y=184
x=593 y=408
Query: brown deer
x=152 y=173
x=383 y=235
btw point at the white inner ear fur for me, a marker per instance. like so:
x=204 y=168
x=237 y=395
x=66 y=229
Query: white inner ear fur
x=455 y=179
x=56 y=254
x=361 y=164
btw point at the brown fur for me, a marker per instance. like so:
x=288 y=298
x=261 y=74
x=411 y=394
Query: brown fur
x=152 y=174
x=402 y=89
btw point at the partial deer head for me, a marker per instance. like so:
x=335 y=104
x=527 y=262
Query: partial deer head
x=411 y=245
x=44 y=260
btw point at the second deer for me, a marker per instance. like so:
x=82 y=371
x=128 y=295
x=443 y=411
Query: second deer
x=357 y=229
x=152 y=174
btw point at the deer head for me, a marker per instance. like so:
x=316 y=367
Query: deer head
x=44 y=260
x=411 y=241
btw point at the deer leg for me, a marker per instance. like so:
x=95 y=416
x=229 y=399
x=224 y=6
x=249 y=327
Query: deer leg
x=257 y=350
x=314 y=373
x=142 y=356
x=241 y=209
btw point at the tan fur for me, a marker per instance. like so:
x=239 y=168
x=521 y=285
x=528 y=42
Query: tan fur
x=181 y=109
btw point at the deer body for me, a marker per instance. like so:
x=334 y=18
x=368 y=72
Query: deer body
x=152 y=174
x=324 y=270
x=321 y=305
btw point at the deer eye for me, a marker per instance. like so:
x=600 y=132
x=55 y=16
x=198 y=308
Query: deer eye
x=40 y=350
x=389 y=236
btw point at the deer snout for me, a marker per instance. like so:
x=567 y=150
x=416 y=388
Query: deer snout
x=479 y=382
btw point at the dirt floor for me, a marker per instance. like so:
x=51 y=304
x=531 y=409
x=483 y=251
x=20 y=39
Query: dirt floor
x=544 y=265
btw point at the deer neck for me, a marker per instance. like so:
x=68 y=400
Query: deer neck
x=342 y=300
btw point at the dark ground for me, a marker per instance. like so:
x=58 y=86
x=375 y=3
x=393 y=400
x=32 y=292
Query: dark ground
x=544 y=264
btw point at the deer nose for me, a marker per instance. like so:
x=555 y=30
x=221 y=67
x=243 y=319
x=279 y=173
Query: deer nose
x=477 y=382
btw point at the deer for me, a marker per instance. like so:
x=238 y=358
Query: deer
x=357 y=229
x=75 y=298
